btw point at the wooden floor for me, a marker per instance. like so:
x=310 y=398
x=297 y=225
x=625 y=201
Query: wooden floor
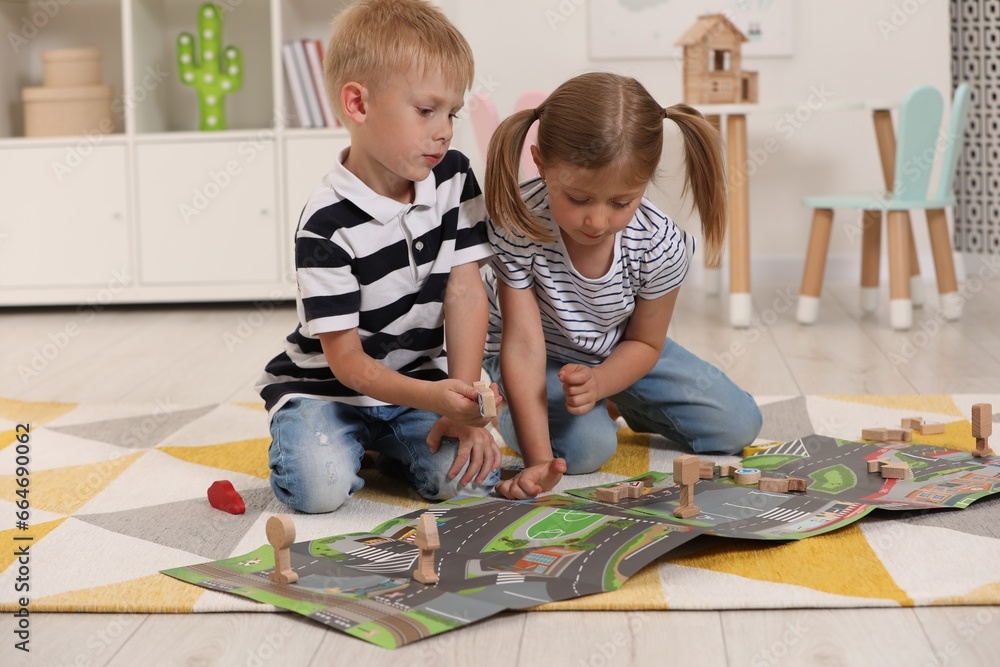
x=207 y=354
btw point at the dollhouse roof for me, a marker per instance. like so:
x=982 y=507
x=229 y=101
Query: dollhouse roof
x=707 y=25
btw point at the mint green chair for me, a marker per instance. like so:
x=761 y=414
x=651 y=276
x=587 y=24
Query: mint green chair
x=920 y=141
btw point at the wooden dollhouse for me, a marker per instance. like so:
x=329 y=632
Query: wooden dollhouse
x=713 y=67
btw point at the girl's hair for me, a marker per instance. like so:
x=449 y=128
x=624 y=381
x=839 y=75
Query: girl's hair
x=601 y=120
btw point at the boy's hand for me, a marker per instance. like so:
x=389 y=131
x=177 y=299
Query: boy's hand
x=580 y=387
x=475 y=445
x=533 y=480
x=458 y=402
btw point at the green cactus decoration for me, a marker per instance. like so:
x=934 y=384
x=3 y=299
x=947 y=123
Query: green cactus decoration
x=213 y=74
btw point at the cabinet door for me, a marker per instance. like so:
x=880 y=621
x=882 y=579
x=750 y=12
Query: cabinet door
x=63 y=222
x=206 y=212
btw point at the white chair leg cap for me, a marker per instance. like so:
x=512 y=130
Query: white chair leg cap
x=713 y=281
x=808 y=309
x=917 y=291
x=901 y=314
x=952 y=305
x=740 y=310
x=869 y=299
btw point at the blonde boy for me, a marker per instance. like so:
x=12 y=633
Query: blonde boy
x=387 y=248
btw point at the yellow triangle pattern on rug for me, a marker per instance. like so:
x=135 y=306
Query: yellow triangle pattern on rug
x=841 y=562
x=632 y=456
x=9 y=546
x=65 y=490
x=38 y=413
x=641 y=591
x=246 y=456
x=984 y=595
x=156 y=593
x=918 y=404
x=957 y=435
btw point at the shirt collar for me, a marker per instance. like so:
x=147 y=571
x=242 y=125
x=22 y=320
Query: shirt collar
x=382 y=209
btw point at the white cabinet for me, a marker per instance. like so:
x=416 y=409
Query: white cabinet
x=64 y=217
x=159 y=210
x=206 y=213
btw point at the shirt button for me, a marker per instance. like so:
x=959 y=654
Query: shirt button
x=419 y=245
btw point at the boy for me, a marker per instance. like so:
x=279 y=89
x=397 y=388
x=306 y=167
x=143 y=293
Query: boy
x=387 y=248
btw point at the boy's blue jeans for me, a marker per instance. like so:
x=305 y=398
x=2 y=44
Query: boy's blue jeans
x=683 y=398
x=316 y=449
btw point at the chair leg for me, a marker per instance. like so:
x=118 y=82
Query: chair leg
x=812 y=276
x=944 y=264
x=916 y=284
x=901 y=308
x=871 y=249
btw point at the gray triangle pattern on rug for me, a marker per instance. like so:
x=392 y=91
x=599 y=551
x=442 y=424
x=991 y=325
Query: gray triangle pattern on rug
x=139 y=432
x=786 y=420
x=190 y=525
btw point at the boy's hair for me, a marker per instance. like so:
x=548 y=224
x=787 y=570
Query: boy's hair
x=600 y=120
x=372 y=39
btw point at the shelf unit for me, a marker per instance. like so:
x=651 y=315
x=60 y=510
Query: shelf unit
x=157 y=211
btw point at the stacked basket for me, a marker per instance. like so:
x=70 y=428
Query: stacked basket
x=72 y=99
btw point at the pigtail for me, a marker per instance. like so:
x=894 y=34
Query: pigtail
x=706 y=175
x=502 y=187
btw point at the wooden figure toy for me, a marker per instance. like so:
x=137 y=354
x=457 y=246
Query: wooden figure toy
x=609 y=494
x=726 y=469
x=879 y=434
x=428 y=540
x=745 y=476
x=686 y=473
x=281 y=535
x=487 y=401
x=773 y=484
x=797 y=484
x=895 y=470
x=931 y=428
x=630 y=490
x=706 y=470
x=982 y=428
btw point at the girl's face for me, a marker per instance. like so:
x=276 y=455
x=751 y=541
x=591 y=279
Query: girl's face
x=589 y=205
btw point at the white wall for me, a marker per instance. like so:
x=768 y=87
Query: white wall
x=856 y=50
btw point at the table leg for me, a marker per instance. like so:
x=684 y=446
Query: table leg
x=713 y=273
x=740 y=304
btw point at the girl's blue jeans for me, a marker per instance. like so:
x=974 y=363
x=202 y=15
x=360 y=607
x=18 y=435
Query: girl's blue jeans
x=317 y=445
x=683 y=398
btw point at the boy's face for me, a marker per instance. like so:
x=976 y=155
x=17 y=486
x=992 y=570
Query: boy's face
x=407 y=129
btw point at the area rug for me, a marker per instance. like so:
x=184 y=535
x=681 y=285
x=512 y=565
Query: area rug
x=95 y=500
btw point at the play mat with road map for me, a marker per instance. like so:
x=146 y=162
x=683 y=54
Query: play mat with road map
x=499 y=554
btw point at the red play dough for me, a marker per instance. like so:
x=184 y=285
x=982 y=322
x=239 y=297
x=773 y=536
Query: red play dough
x=224 y=497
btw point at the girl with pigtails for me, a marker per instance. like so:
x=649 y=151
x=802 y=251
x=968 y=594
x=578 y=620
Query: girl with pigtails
x=585 y=278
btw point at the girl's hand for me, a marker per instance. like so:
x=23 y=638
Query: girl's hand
x=580 y=386
x=533 y=480
x=475 y=445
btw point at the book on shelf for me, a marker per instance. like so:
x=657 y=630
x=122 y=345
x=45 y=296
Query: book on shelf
x=308 y=87
x=296 y=84
x=314 y=51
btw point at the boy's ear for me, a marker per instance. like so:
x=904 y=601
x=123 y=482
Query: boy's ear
x=536 y=157
x=354 y=100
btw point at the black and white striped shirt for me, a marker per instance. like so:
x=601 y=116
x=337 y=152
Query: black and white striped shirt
x=367 y=261
x=584 y=319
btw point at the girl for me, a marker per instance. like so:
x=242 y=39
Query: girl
x=587 y=272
